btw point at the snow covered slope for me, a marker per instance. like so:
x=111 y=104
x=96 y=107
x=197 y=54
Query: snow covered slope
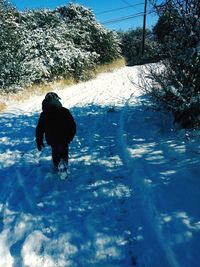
x=132 y=196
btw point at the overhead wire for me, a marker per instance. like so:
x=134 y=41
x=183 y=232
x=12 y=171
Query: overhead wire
x=140 y=14
x=132 y=16
x=127 y=3
x=116 y=9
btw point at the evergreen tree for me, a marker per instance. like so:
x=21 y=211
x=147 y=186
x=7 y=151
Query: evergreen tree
x=132 y=47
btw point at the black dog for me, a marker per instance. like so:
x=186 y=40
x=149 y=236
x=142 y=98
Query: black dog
x=58 y=126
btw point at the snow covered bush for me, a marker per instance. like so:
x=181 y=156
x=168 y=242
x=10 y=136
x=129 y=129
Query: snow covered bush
x=88 y=34
x=43 y=45
x=132 y=47
x=10 y=46
x=178 y=31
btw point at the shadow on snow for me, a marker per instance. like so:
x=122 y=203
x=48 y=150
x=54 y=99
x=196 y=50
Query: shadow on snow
x=168 y=163
x=88 y=219
x=77 y=222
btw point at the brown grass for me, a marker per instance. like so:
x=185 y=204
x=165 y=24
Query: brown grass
x=2 y=106
x=119 y=63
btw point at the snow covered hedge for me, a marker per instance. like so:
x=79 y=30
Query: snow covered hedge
x=43 y=45
x=177 y=84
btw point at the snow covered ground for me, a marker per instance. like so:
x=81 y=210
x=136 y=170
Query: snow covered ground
x=133 y=193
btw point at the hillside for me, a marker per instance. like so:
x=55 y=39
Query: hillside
x=132 y=196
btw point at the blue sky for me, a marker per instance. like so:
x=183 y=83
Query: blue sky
x=127 y=11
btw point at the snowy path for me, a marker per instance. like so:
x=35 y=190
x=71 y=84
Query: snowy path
x=132 y=195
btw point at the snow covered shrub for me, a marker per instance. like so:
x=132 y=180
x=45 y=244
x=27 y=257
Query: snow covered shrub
x=179 y=80
x=10 y=45
x=132 y=47
x=43 y=45
x=88 y=34
x=106 y=43
x=54 y=54
x=82 y=62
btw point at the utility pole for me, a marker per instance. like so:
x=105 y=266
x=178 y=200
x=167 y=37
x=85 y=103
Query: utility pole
x=144 y=26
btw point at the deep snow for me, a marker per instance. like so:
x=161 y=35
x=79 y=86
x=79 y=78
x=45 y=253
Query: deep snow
x=132 y=196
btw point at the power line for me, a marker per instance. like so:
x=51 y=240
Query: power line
x=141 y=14
x=127 y=3
x=144 y=26
x=120 y=8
